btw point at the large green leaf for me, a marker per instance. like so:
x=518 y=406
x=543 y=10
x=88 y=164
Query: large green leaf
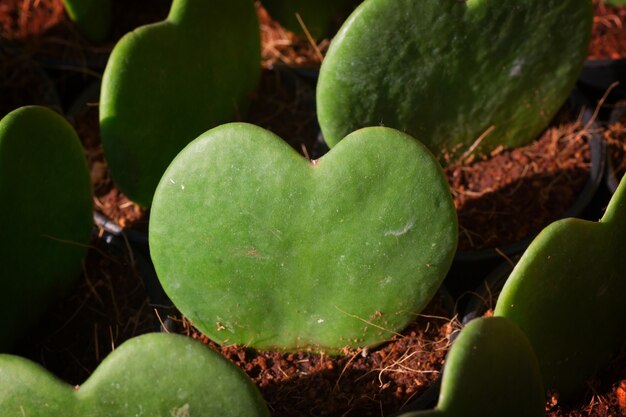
x=156 y=375
x=450 y=72
x=45 y=214
x=568 y=292
x=168 y=82
x=258 y=246
x=491 y=371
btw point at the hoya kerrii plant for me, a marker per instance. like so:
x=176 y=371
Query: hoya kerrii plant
x=318 y=17
x=45 y=214
x=92 y=17
x=157 y=375
x=168 y=82
x=461 y=76
x=491 y=371
x=261 y=247
x=567 y=294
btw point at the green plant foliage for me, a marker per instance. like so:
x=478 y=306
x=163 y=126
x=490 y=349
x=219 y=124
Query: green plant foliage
x=45 y=214
x=168 y=82
x=453 y=73
x=319 y=16
x=567 y=293
x=156 y=375
x=92 y=17
x=258 y=246
x=491 y=371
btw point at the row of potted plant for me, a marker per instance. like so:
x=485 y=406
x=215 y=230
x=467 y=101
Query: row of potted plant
x=319 y=255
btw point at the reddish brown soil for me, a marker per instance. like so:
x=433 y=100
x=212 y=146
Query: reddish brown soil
x=608 y=40
x=359 y=383
x=280 y=46
x=516 y=193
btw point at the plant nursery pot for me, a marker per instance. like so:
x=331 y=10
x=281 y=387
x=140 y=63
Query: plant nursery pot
x=598 y=77
x=615 y=135
x=505 y=215
x=24 y=82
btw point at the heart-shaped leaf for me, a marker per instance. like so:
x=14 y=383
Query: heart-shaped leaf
x=92 y=17
x=453 y=73
x=317 y=16
x=258 y=246
x=167 y=83
x=45 y=214
x=491 y=371
x=156 y=375
x=567 y=293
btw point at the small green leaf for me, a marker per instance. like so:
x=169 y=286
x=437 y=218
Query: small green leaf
x=168 y=82
x=453 y=73
x=318 y=16
x=491 y=371
x=45 y=214
x=92 y=17
x=156 y=375
x=567 y=293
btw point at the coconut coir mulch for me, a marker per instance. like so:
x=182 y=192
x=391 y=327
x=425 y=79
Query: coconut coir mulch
x=515 y=193
x=608 y=39
x=360 y=383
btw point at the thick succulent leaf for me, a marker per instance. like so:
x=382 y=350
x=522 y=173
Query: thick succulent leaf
x=258 y=246
x=92 y=17
x=491 y=371
x=452 y=72
x=168 y=82
x=567 y=293
x=45 y=214
x=156 y=375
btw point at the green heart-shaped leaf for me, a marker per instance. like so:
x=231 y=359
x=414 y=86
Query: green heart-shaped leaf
x=168 y=82
x=45 y=214
x=258 y=246
x=318 y=16
x=92 y=17
x=156 y=375
x=491 y=371
x=450 y=72
x=567 y=293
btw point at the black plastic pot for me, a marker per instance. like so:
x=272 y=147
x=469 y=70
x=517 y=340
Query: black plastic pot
x=23 y=82
x=598 y=77
x=612 y=176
